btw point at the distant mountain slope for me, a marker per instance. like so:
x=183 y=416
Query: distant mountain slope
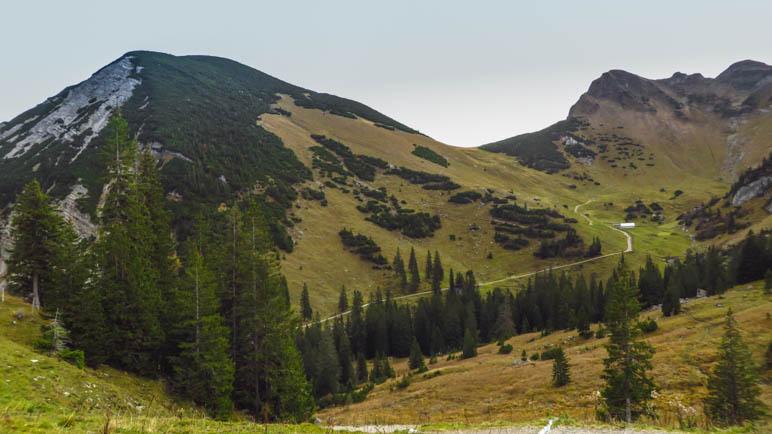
x=198 y=113
x=701 y=125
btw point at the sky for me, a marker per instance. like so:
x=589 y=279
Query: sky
x=466 y=73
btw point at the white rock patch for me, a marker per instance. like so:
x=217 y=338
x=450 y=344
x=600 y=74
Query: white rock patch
x=110 y=88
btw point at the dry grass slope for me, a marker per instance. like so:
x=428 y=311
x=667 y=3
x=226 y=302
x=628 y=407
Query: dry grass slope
x=320 y=260
x=494 y=387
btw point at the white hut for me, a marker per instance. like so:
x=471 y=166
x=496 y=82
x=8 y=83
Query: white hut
x=626 y=225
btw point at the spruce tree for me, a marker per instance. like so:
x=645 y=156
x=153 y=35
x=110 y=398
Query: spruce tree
x=768 y=281
x=504 y=328
x=470 y=344
x=437 y=273
x=628 y=385
x=203 y=370
x=415 y=278
x=399 y=270
x=306 y=312
x=342 y=300
x=429 y=267
x=269 y=378
x=361 y=369
x=560 y=369
x=671 y=302
x=416 y=360
x=39 y=248
x=161 y=242
x=733 y=385
x=84 y=314
x=127 y=276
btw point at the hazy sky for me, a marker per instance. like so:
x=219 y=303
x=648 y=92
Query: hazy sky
x=465 y=73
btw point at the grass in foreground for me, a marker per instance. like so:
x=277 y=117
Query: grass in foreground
x=41 y=394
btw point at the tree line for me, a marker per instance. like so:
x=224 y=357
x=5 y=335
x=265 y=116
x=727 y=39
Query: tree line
x=210 y=315
x=461 y=319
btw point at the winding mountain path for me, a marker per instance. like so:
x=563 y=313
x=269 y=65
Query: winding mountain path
x=520 y=276
x=586 y=217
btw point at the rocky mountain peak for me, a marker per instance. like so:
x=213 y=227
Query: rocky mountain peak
x=746 y=75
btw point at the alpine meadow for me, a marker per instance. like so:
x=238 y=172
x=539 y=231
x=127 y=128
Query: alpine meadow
x=190 y=245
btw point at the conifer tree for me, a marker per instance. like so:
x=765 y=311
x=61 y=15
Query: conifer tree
x=671 y=302
x=305 y=304
x=347 y=373
x=84 y=313
x=127 y=276
x=361 y=370
x=269 y=372
x=504 y=328
x=203 y=370
x=560 y=369
x=39 y=248
x=751 y=261
x=342 y=300
x=437 y=273
x=416 y=360
x=470 y=344
x=415 y=278
x=437 y=342
x=161 y=242
x=357 y=331
x=733 y=385
x=399 y=270
x=628 y=385
x=429 y=267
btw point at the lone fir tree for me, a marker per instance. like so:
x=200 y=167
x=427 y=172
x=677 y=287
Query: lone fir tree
x=733 y=388
x=561 y=374
x=628 y=384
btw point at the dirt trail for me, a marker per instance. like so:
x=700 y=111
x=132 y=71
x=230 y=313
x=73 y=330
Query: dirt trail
x=576 y=211
x=520 y=276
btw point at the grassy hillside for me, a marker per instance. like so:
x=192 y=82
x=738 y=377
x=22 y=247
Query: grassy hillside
x=602 y=192
x=41 y=394
x=494 y=387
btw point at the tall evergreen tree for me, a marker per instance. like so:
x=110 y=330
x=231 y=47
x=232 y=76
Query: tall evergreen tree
x=560 y=369
x=399 y=270
x=628 y=385
x=269 y=372
x=342 y=300
x=437 y=273
x=127 y=276
x=733 y=385
x=415 y=278
x=357 y=330
x=305 y=304
x=416 y=360
x=361 y=370
x=161 y=242
x=470 y=344
x=203 y=369
x=504 y=328
x=40 y=241
x=429 y=267
x=671 y=302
